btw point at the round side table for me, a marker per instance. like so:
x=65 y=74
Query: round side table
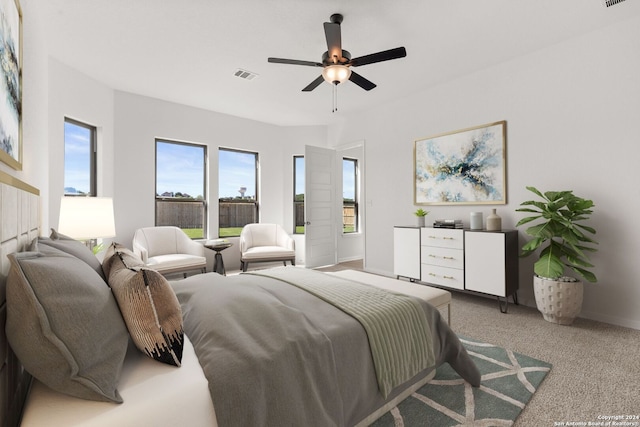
x=218 y=262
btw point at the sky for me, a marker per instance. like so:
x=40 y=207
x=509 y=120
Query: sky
x=180 y=168
x=77 y=157
x=236 y=170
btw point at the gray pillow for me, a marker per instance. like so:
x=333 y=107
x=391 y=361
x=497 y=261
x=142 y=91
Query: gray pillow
x=73 y=247
x=150 y=309
x=64 y=325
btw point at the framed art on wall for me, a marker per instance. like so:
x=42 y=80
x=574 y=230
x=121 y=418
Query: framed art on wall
x=11 y=83
x=467 y=166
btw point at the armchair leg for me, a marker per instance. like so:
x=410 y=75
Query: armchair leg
x=244 y=265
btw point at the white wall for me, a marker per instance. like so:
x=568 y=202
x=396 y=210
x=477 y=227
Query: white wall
x=140 y=120
x=75 y=95
x=572 y=123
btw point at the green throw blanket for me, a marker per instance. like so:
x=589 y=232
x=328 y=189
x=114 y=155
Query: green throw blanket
x=396 y=325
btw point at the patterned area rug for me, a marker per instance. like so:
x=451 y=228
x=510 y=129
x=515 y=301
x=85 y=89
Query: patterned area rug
x=508 y=382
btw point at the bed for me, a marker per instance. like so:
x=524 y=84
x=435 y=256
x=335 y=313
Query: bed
x=282 y=355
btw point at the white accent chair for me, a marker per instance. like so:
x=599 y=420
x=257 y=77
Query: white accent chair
x=265 y=243
x=168 y=249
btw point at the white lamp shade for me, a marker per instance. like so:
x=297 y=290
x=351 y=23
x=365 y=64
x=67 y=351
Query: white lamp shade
x=336 y=73
x=85 y=218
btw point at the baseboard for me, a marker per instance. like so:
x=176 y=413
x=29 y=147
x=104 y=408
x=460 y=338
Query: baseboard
x=348 y=259
x=612 y=320
x=598 y=317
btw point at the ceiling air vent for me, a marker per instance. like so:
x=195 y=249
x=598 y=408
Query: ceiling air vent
x=608 y=3
x=244 y=74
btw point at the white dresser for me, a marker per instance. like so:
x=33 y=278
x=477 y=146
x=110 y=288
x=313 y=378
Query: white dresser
x=467 y=260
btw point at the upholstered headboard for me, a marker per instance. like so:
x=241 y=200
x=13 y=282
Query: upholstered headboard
x=20 y=219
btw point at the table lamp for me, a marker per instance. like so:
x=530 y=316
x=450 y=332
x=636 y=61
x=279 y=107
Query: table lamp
x=87 y=218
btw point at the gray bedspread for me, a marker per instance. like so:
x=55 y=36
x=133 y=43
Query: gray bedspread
x=276 y=355
x=396 y=325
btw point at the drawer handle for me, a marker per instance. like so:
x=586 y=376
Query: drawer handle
x=448 y=238
x=444 y=277
x=432 y=237
x=443 y=257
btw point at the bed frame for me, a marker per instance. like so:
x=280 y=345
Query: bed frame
x=20 y=219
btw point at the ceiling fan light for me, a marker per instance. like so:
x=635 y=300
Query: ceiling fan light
x=336 y=73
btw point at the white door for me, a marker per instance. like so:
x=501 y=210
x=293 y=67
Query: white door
x=319 y=207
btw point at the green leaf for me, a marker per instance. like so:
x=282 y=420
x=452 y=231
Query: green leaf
x=549 y=266
x=587 y=275
x=535 y=190
x=527 y=219
x=527 y=210
x=533 y=244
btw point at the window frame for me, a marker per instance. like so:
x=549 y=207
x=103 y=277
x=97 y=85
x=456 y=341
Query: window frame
x=93 y=157
x=256 y=202
x=356 y=216
x=204 y=201
x=297 y=229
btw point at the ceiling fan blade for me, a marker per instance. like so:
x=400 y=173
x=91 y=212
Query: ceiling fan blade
x=295 y=62
x=314 y=84
x=334 y=40
x=361 y=81
x=385 y=55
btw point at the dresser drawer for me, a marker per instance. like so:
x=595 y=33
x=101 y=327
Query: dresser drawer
x=449 y=277
x=444 y=257
x=443 y=238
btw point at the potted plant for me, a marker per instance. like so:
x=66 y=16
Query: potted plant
x=563 y=240
x=421 y=214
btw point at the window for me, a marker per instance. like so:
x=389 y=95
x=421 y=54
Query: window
x=349 y=195
x=181 y=186
x=79 y=159
x=237 y=190
x=298 y=194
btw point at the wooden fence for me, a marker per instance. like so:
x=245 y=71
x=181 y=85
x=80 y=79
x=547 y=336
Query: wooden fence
x=190 y=214
x=182 y=214
x=236 y=214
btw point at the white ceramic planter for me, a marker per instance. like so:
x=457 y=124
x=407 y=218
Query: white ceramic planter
x=559 y=302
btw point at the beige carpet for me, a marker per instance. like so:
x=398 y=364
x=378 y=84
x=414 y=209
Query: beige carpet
x=596 y=366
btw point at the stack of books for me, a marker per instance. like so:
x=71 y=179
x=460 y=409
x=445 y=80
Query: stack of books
x=447 y=223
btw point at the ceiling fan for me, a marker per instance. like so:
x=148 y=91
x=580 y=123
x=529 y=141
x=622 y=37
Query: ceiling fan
x=337 y=63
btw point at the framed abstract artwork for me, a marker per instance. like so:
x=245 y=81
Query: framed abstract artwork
x=467 y=166
x=11 y=83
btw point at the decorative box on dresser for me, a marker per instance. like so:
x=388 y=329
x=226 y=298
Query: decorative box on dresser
x=466 y=260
